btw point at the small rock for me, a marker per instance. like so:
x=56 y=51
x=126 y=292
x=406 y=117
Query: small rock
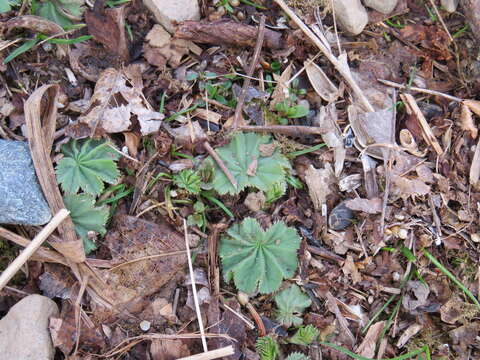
x=145 y=325
x=21 y=199
x=340 y=218
x=449 y=5
x=169 y=12
x=383 y=6
x=351 y=15
x=24 y=330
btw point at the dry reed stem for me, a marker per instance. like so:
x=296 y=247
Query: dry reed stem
x=21 y=259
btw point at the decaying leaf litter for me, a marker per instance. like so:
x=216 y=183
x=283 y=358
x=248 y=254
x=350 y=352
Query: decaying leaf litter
x=328 y=182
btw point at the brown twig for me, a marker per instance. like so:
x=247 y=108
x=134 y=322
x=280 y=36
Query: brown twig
x=339 y=65
x=251 y=69
x=324 y=253
x=420 y=90
x=258 y=320
x=292 y=130
x=220 y=163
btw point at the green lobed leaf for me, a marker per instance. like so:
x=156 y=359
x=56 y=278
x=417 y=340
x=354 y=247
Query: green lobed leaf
x=257 y=259
x=305 y=335
x=297 y=356
x=188 y=180
x=267 y=348
x=49 y=11
x=291 y=303
x=86 y=217
x=5 y=6
x=86 y=165
x=243 y=158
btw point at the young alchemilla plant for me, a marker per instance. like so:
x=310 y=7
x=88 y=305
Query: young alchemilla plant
x=291 y=303
x=257 y=259
x=254 y=162
x=87 y=165
x=86 y=217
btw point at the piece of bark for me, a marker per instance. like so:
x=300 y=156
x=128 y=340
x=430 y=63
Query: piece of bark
x=108 y=28
x=226 y=32
x=472 y=13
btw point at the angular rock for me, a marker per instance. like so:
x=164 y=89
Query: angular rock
x=169 y=12
x=383 y=6
x=449 y=5
x=351 y=15
x=24 y=332
x=21 y=199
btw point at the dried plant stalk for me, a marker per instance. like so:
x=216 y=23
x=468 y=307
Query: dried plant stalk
x=40 y=136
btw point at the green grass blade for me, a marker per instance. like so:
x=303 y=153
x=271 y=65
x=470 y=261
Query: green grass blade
x=451 y=277
x=219 y=204
x=27 y=45
x=305 y=151
x=70 y=41
x=425 y=350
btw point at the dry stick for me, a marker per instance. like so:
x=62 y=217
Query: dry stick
x=220 y=163
x=42 y=254
x=251 y=69
x=341 y=68
x=21 y=259
x=420 y=90
x=427 y=132
x=194 y=289
x=285 y=129
x=213 y=354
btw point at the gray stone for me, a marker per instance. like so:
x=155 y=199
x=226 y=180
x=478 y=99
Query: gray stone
x=351 y=15
x=21 y=199
x=449 y=5
x=24 y=333
x=168 y=12
x=340 y=218
x=383 y=6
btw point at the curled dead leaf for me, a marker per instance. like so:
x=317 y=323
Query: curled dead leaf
x=467 y=123
x=324 y=87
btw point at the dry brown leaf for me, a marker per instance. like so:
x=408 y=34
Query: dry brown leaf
x=369 y=343
x=161 y=48
x=405 y=188
x=168 y=349
x=115 y=102
x=137 y=245
x=475 y=167
x=373 y=130
x=467 y=123
x=318 y=182
x=208 y=115
x=281 y=91
x=252 y=168
x=255 y=201
x=325 y=88
x=332 y=136
x=132 y=141
x=349 y=268
x=473 y=105
x=411 y=331
x=455 y=309
x=369 y=206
